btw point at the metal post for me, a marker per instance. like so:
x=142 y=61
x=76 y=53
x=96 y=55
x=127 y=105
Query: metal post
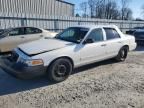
x=79 y=22
x=24 y=21
x=56 y=25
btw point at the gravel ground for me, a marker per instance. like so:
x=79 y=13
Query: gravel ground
x=100 y=85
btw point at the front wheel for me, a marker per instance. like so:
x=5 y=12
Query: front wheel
x=59 y=70
x=122 y=55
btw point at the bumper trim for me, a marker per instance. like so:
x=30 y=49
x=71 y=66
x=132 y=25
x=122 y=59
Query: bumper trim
x=21 y=71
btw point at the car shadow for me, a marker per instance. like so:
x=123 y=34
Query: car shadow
x=10 y=85
x=94 y=65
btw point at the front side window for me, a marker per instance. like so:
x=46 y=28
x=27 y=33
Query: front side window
x=111 y=33
x=73 y=34
x=96 y=35
x=16 y=32
x=30 y=30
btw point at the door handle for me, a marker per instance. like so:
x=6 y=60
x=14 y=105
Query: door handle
x=103 y=45
x=41 y=35
x=22 y=37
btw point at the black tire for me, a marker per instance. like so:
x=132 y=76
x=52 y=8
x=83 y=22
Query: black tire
x=59 y=70
x=122 y=55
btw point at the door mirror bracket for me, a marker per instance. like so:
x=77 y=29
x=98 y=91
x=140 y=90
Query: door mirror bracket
x=88 y=41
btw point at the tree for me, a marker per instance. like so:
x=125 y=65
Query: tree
x=128 y=14
x=142 y=9
x=111 y=10
x=91 y=7
x=139 y=19
x=84 y=8
x=77 y=15
x=125 y=11
x=107 y=9
x=99 y=8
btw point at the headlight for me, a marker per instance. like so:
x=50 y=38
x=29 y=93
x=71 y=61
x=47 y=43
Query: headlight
x=32 y=62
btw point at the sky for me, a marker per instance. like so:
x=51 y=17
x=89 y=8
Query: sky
x=135 y=5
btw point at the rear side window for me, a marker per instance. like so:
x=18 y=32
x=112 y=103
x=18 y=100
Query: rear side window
x=30 y=30
x=111 y=33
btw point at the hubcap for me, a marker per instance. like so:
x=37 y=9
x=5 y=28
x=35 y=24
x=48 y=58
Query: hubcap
x=61 y=70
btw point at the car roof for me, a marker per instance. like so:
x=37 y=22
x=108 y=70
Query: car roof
x=96 y=26
x=24 y=27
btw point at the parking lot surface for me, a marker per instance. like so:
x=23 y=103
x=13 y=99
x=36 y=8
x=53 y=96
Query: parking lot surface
x=106 y=84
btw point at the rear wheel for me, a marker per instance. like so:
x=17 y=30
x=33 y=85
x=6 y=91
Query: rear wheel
x=122 y=55
x=60 y=70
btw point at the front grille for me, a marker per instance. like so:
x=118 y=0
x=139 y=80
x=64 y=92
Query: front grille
x=14 y=57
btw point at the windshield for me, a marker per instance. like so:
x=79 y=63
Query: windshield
x=73 y=34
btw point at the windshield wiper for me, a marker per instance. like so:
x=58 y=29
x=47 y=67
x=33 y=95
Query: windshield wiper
x=67 y=40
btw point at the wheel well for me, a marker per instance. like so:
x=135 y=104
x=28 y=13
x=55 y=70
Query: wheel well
x=126 y=46
x=65 y=58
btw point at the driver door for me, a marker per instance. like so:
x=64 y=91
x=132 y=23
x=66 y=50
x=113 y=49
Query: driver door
x=95 y=50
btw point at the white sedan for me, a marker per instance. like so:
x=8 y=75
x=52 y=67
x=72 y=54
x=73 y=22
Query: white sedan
x=12 y=37
x=74 y=47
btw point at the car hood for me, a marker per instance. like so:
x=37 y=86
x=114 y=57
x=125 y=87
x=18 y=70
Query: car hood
x=42 y=46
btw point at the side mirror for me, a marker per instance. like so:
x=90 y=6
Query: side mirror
x=88 y=41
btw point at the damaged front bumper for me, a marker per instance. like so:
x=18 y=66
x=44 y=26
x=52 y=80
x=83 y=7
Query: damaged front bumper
x=20 y=70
